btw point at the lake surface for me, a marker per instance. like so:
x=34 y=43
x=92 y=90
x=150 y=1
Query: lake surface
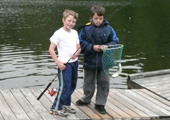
x=26 y=25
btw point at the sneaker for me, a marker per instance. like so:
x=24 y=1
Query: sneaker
x=62 y=113
x=81 y=103
x=100 y=109
x=69 y=109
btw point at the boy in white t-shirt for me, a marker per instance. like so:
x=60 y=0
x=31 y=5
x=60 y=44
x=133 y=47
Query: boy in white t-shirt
x=67 y=42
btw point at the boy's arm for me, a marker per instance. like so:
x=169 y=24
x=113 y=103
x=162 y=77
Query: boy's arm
x=78 y=47
x=114 y=38
x=54 y=56
x=78 y=51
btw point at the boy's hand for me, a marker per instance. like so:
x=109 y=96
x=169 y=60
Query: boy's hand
x=74 y=57
x=97 y=48
x=61 y=66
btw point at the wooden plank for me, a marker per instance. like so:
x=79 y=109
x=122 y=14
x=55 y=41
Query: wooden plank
x=1 y=117
x=164 y=101
x=151 y=99
x=14 y=105
x=82 y=114
x=124 y=107
x=151 y=83
x=148 y=74
x=51 y=99
x=159 y=75
x=6 y=111
x=165 y=94
x=91 y=106
x=112 y=113
x=79 y=113
x=28 y=108
x=133 y=85
x=160 y=87
x=126 y=97
x=82 y=109
x=154 y=79
x=163 y=107
x=157 y=89
x=37 y=105
x=168 y=98
x=113 y=110
x=146 y=103
x=86 y=109
x=143 y=115
x=123 y=114
x=136 y=104
x=46 y=103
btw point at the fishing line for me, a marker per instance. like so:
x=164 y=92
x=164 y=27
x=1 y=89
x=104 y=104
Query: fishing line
x=115 y=11
x=118 y=55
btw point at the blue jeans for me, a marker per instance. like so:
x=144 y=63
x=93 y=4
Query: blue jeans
x=67 y=85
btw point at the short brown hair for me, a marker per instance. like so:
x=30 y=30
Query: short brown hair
x=99 y=10
x=68 y=12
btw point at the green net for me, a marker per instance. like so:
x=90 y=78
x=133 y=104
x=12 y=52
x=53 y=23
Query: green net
x=111 y=56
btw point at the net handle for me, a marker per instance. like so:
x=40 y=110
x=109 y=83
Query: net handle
x=111 y=47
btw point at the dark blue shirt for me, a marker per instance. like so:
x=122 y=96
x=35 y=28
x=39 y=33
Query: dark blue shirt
x=92 y=35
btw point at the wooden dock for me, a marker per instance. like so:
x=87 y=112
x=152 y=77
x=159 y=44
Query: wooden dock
x=157 y=82
x=134 y=104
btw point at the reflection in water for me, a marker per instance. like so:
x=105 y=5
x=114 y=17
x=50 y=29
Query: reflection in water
x=25 y=27
x=20 y=68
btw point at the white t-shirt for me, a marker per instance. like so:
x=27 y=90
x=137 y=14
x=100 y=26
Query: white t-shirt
x=66 y=44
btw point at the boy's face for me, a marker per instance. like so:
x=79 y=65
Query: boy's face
x=97 y=20
x=69 y=22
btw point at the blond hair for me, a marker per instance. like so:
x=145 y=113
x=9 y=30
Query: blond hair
x=68 y=12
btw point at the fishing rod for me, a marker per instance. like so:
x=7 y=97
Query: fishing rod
x=49 y=84
x=115 y=11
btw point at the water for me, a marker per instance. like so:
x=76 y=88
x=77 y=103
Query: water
x=26 y=26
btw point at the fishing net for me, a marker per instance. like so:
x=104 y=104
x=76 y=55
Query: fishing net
x=111 y=56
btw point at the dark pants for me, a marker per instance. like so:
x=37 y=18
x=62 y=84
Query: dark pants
x=91 y=78
x=67 y=85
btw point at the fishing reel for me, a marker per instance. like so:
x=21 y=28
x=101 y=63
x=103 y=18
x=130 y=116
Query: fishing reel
x=52 y=92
